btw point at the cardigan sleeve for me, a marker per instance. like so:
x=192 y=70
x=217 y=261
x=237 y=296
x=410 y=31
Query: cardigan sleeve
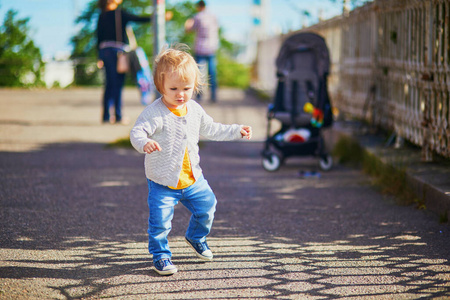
x=142 y=130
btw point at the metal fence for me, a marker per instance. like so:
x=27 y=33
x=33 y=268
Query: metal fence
x=391 y=67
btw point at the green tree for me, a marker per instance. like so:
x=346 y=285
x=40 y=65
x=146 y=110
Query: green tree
x=229 y=72
x=175 y=28
x=20 y=60
x=84 y=48
x=85 y=41
x=85 y=52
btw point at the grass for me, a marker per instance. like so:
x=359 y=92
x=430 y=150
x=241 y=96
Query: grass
x=120 y=143
x=390 y=177
x=261 y=95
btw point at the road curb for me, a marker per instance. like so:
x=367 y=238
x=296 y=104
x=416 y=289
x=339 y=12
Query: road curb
x=429 y=181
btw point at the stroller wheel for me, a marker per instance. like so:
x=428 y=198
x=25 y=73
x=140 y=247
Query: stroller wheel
x=271 y=162
x=326 y=162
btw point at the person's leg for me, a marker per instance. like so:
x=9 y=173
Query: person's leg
x=212 y=77
x=109 y=58
x=201 y=202
x=161 y=202
x=120 y=80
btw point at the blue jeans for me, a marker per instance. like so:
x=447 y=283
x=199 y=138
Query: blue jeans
x=199 y=199
x=113 y=83
x=210 y=60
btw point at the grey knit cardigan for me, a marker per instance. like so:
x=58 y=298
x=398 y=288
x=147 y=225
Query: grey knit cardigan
x=174 y=134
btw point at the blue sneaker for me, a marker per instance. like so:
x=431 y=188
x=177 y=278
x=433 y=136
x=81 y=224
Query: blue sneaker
x=165 y=266
x=201 y=249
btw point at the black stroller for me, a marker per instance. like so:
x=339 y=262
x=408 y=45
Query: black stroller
x=301 y=102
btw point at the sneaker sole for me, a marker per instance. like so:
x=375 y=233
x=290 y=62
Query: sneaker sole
x=166 y=272
x=198 y=254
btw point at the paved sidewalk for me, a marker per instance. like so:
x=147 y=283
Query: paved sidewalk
x=32 y=118
x=428 y=181
x=73 y=216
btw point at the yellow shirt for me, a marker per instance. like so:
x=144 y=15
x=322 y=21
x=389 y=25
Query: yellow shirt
x=186 y=176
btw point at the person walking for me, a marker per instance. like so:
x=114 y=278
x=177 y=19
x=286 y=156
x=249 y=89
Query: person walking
x=168 y=132
x=206 y=27
x=111 y=40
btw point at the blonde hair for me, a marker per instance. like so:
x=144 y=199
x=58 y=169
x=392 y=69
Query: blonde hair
x=176 y=59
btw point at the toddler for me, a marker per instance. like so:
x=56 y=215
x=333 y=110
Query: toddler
x=168 y=131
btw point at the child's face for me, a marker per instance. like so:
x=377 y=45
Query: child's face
x=177 y=92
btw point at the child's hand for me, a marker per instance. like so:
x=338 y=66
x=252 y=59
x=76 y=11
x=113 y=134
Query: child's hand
x=152 y=146
x=246 y=131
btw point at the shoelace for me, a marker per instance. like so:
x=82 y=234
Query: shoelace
x=202 y=246
x=165 y=263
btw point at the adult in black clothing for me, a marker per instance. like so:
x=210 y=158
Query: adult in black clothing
x=109 y=43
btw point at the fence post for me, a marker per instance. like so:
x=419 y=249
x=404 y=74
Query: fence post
x=374 y=69
x=427 y=154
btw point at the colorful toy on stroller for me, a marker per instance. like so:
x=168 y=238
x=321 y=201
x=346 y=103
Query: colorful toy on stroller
x=301 y=102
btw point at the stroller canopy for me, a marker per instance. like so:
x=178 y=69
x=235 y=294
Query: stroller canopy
x=301 y=42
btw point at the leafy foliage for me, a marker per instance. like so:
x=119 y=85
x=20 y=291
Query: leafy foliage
x=20 y=60
x=175 y=28
x=231 y=73
x=84 y=47
x=85 y=52
x=85 y=41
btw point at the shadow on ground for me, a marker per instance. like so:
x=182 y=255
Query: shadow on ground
x=74 y=217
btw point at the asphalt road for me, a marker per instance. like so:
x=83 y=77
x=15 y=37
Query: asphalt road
x=73 y=217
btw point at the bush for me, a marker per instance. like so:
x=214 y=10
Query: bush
x=231 y=73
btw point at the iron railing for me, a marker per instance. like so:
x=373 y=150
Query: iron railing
x=390 y=67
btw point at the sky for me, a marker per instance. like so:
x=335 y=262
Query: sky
x=52 y=21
